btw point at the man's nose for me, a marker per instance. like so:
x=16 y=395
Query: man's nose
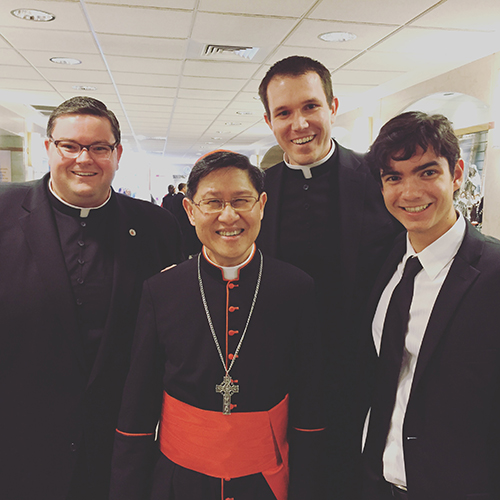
x=228 y=213
x=410 y=188
x=84 y=155
x=299 y=121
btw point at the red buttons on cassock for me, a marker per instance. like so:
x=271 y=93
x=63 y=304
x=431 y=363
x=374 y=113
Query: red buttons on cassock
x=233 y=308
x=231 y=356
x=233 y=285
x=233 y=332
x=233 y=406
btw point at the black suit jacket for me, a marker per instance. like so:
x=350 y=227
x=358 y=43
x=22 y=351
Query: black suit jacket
x=451 y=432
x=367 y=233
x=53 y=407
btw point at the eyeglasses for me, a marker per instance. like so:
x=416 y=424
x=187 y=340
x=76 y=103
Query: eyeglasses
x=72 y=149
x=214 y=206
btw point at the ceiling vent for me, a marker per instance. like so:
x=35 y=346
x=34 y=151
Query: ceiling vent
x=45 y=110
x=229 y=51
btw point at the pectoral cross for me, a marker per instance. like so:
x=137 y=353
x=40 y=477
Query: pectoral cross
x=227 y=389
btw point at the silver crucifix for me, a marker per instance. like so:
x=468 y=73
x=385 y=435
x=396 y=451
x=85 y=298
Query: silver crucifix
x=227 y=389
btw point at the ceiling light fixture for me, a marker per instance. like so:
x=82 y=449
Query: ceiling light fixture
x=244 y=113
x=38 y=16
x=337 y=36
x=88 y=88
x=232 y=124
x=65 y=60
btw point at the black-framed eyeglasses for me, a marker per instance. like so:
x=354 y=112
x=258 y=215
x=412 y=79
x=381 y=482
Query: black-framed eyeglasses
x=72 y=149
x=240 y=204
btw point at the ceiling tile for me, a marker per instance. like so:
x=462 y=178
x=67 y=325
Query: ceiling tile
x=146 y=79
x=216 y=95
x=164 y=4
x=220 y=69
x=360 y=77
x=142 y=46
x=240 y=30
x=50 y=40
x=464 y=14
x=380 y=11
x=281 y=8
x=41 y=59
x=69 y=15
x=307 y=34
x=144 y=65
x=331 y=58
x=192 y=82
x=140 y=21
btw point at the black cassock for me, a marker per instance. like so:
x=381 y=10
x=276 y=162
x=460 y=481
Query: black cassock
x=174 y=351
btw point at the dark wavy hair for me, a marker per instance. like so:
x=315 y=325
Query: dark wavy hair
x=223 y=159
x=400 y=137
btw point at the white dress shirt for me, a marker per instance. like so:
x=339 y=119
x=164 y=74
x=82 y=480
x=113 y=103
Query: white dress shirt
x=436 y=260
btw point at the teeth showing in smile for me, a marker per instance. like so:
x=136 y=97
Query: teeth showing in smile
x=416 y=209
x=230 y=233
x=85 y=174
x=303 y=140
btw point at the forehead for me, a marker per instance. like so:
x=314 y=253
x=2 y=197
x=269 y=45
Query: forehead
x=308 y=83
x=226 y=180
x=420 y=157
x=77 y=124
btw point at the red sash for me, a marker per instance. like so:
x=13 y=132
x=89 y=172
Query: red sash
x=228 y=446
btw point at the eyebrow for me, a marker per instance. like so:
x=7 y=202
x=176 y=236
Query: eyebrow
x=217 y=194
x=304 y=103
x=419 y=168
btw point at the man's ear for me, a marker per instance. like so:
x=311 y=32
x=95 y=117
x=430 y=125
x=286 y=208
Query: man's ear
x=268 y=121
x=458 y=175
x=189 y=208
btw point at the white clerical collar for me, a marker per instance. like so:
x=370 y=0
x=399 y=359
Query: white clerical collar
x=435 y=257
x=84 y=212
x=230 y=273
x=306 y=169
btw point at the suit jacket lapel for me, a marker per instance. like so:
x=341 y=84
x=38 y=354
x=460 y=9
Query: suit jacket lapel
x=460 y=278
x=41 y=233
x=124 y=279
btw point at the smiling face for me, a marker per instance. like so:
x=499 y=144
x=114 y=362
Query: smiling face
x=228 y=235
x=82 y=181
x=301 y=118
x=419 y=193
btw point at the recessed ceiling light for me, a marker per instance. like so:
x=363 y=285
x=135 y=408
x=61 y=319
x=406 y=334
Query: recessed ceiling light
x=244 y=113
x=65 y=60
x=33 y=15
x=233 y=124
x=84 y=87
x=217 y=138
x=337 y=36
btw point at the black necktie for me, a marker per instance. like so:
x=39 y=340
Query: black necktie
x=389 y=366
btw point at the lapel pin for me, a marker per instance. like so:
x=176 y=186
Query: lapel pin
x=132 y=232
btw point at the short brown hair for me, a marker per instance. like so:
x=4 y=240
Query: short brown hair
x=83 y=105
x=296 y=66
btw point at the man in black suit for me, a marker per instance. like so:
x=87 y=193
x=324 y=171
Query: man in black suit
x=73 y=257
x=325 y=215
x=435 y=434
x=169 y=198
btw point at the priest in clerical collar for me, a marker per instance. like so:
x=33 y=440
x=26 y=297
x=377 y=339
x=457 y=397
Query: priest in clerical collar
x=73 y=257
x=227 y=358
x=326 y=216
